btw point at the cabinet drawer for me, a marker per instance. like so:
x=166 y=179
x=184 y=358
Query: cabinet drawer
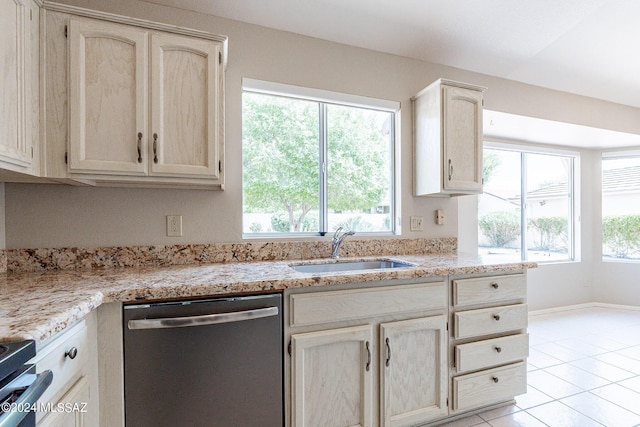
x=336 y=306
x=493 y=352
x=488 y=321
x=490 y=386
x=483 y=290
x=65 y=370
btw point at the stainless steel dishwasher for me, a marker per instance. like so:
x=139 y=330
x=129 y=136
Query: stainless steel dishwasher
x=201 y=363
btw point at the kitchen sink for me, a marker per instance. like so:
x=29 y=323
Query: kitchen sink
x=336 y=266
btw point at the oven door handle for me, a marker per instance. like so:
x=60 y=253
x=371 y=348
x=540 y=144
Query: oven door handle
x=27 y=399
x=207 y=319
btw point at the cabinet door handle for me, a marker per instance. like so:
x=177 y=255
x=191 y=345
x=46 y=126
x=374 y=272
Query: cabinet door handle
x=495 y=379
x=450 y=169
x=71 y=353
x=155 y=148
x=368 y=366
x=386 y=362
x=139 y=147
x=496 y=316
x=495 y=285
x=498 y=349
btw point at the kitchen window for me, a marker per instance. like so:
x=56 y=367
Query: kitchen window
x=527 y=208
x=313 y=161
x=621 y=206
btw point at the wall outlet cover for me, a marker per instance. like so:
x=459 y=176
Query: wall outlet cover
x=174 y=225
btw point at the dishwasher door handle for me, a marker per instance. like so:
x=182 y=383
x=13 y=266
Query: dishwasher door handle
x=203 y=320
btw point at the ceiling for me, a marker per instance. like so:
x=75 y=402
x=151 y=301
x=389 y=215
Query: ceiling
x=587 y=47
x=500 y=127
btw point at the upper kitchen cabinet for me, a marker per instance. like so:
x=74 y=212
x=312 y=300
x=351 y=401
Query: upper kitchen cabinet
x=145 y=107
x=447 y=120
x=108 y=94
x=19 y=102
x=185 y=112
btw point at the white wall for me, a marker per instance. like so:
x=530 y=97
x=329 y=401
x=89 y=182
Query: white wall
x=58 y=216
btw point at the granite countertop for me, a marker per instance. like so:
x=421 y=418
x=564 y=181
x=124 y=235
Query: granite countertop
x=39 y=305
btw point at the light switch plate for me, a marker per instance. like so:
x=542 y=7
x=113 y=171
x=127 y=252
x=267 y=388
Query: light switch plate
x=416 y=223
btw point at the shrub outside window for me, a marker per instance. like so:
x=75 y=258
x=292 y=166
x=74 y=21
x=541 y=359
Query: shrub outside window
x=526 y=210
x=620 y=207
x=313 y=163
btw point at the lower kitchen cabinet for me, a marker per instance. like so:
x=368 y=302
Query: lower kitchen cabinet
x=73 y=406
x=332 y=377
x=399 y=354
x=334 y=369
x=413 y=371
x=72 y=398
x=376 y=357
x=488 y=340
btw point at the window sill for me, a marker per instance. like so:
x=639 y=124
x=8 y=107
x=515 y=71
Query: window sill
x=621 y=261
x=312 y=236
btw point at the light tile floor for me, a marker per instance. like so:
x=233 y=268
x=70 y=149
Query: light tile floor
x=584 y=370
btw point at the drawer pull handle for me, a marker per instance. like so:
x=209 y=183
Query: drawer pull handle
x=495 y=285
x=496 y=316
x=498 y=349
x=386 y=362
x=71 y=353
x=495 y=379
x=368 y=366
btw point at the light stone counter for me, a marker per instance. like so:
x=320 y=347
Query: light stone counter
x=39 y=305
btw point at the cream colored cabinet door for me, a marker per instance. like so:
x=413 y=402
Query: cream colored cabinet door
x=462 y=127
x=15 y=148
x=413 y=371
x=185 y=105
x=71 y=408
x=108 y=98
x=447 y=133
x=332 y=377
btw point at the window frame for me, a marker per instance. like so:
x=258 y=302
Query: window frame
x=325 y=98
x=574 y=194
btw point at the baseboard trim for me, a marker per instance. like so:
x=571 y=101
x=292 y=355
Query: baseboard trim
x=619 y=306
x=580 y=306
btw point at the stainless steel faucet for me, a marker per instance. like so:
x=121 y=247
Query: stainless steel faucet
x=337 y=239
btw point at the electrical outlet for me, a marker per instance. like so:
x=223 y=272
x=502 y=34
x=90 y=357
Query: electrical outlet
x=440 y=218
x=416 y=223
x=174 y=225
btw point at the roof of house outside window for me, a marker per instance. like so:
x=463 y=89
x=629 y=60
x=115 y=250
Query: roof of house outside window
x=621 y=179
x=617 y=180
